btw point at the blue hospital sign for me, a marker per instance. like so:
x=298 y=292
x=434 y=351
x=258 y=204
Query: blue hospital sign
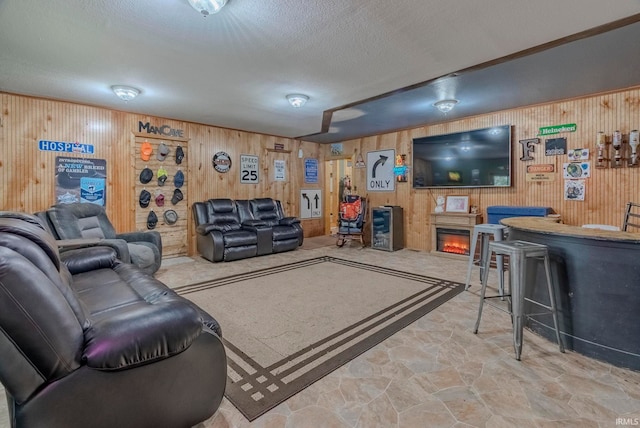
x=310 y=170
x=61 y=146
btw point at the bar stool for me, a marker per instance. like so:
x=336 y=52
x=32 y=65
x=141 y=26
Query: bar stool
x=519 y=252
x=484 y=231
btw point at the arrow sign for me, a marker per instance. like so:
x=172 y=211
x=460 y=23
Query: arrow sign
x=380 y=161
x=310 y=203
x=380 y=175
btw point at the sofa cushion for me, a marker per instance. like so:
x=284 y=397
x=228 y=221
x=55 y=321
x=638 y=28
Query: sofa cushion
x=90 y=227
x=284 y=232
x=239 y=238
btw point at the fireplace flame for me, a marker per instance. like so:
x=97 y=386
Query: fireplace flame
x=455 y=244
x=456 y=249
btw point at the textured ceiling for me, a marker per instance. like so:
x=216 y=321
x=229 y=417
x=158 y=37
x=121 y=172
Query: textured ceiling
x=234 y=69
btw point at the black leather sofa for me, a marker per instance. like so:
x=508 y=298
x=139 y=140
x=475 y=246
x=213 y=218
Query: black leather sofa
x=78 y=221
x=229 y=229
x=89 y=341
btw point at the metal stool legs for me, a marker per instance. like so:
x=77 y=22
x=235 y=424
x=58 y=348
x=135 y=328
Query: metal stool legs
x=519 y=252
x=483 y=231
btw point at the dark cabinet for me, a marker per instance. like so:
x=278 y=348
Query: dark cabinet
x=387 y=231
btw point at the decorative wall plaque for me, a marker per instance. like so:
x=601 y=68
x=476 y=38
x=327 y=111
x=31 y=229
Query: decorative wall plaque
x=221 y=162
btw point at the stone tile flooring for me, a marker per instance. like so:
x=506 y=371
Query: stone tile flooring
x=436 y=372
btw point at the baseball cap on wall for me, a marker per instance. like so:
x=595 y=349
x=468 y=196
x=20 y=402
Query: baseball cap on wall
x=178 y=179
x=163 y=151
x=162 y=176
x=146 y=175
x=152 y=220
x=145 y=198
x=179 y=155
x=177 y=196
x=145 y=151
x=160 y=200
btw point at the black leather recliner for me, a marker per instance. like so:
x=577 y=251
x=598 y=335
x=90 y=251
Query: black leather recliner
x=86 y=340
x=220 y=235
x=287 y=231
x=83 y=220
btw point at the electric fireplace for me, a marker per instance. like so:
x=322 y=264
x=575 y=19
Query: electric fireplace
x=451 y=233
x=453 y=241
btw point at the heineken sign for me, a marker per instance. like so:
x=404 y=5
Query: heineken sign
x=556 y=129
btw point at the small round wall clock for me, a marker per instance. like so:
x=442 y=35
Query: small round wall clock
x=221 y=162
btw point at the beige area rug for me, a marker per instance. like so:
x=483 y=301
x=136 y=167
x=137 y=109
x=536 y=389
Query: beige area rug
x=287 y=326
x=319 y=242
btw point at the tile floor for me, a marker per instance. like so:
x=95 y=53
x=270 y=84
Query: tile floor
x=436 y=372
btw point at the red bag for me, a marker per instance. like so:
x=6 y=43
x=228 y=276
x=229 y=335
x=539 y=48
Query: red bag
x=350 y=210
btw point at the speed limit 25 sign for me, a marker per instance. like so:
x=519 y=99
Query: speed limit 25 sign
x=249 y=168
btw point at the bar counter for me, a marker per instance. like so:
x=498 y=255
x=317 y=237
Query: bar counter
x=597 y=276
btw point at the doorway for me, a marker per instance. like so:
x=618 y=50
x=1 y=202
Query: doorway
x=338 y=182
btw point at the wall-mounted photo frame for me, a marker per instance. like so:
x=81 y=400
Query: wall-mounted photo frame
x=457 y=204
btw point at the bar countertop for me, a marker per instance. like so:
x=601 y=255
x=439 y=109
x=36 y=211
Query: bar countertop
x=543 y=225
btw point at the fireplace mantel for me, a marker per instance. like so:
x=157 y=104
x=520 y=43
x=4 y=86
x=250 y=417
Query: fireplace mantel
x=457 y=221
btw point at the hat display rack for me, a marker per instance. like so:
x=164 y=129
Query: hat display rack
x=161 y=190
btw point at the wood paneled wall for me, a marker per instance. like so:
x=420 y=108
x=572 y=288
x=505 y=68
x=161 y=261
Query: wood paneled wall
x=607 y=190
x=27 y=175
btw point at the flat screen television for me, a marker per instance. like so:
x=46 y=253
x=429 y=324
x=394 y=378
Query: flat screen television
x=476 y=158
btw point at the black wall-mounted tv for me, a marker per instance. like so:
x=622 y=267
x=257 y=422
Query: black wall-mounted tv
x=476 y=158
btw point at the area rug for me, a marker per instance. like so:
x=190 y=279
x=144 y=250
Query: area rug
x=319 y=242
x=287 y=326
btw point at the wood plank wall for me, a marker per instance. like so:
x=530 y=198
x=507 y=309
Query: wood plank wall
x=27 y=175
x=607 y=191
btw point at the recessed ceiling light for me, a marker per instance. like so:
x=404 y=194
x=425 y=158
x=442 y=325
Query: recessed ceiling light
x=207 y=7
x=445 y=106
x=125 y=93
x=297 y=100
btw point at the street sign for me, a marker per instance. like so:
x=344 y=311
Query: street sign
x=310 y=203
x=249 y=169
x=311 y=170
x=380 y=175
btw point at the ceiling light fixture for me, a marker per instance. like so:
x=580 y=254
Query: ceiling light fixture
x=207 y=7
x=125 y=93
x=297 y=100
x=445 y=106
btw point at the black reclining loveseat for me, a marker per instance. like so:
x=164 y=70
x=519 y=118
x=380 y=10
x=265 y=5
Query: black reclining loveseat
x=89 y=341
x=229 y=229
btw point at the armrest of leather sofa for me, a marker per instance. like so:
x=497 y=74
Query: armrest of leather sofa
x=119 y=245
x=151 y=236
x=205 y=229
x=139 y=334
x=289 y=221
x=254 y=223
x=87 y=259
